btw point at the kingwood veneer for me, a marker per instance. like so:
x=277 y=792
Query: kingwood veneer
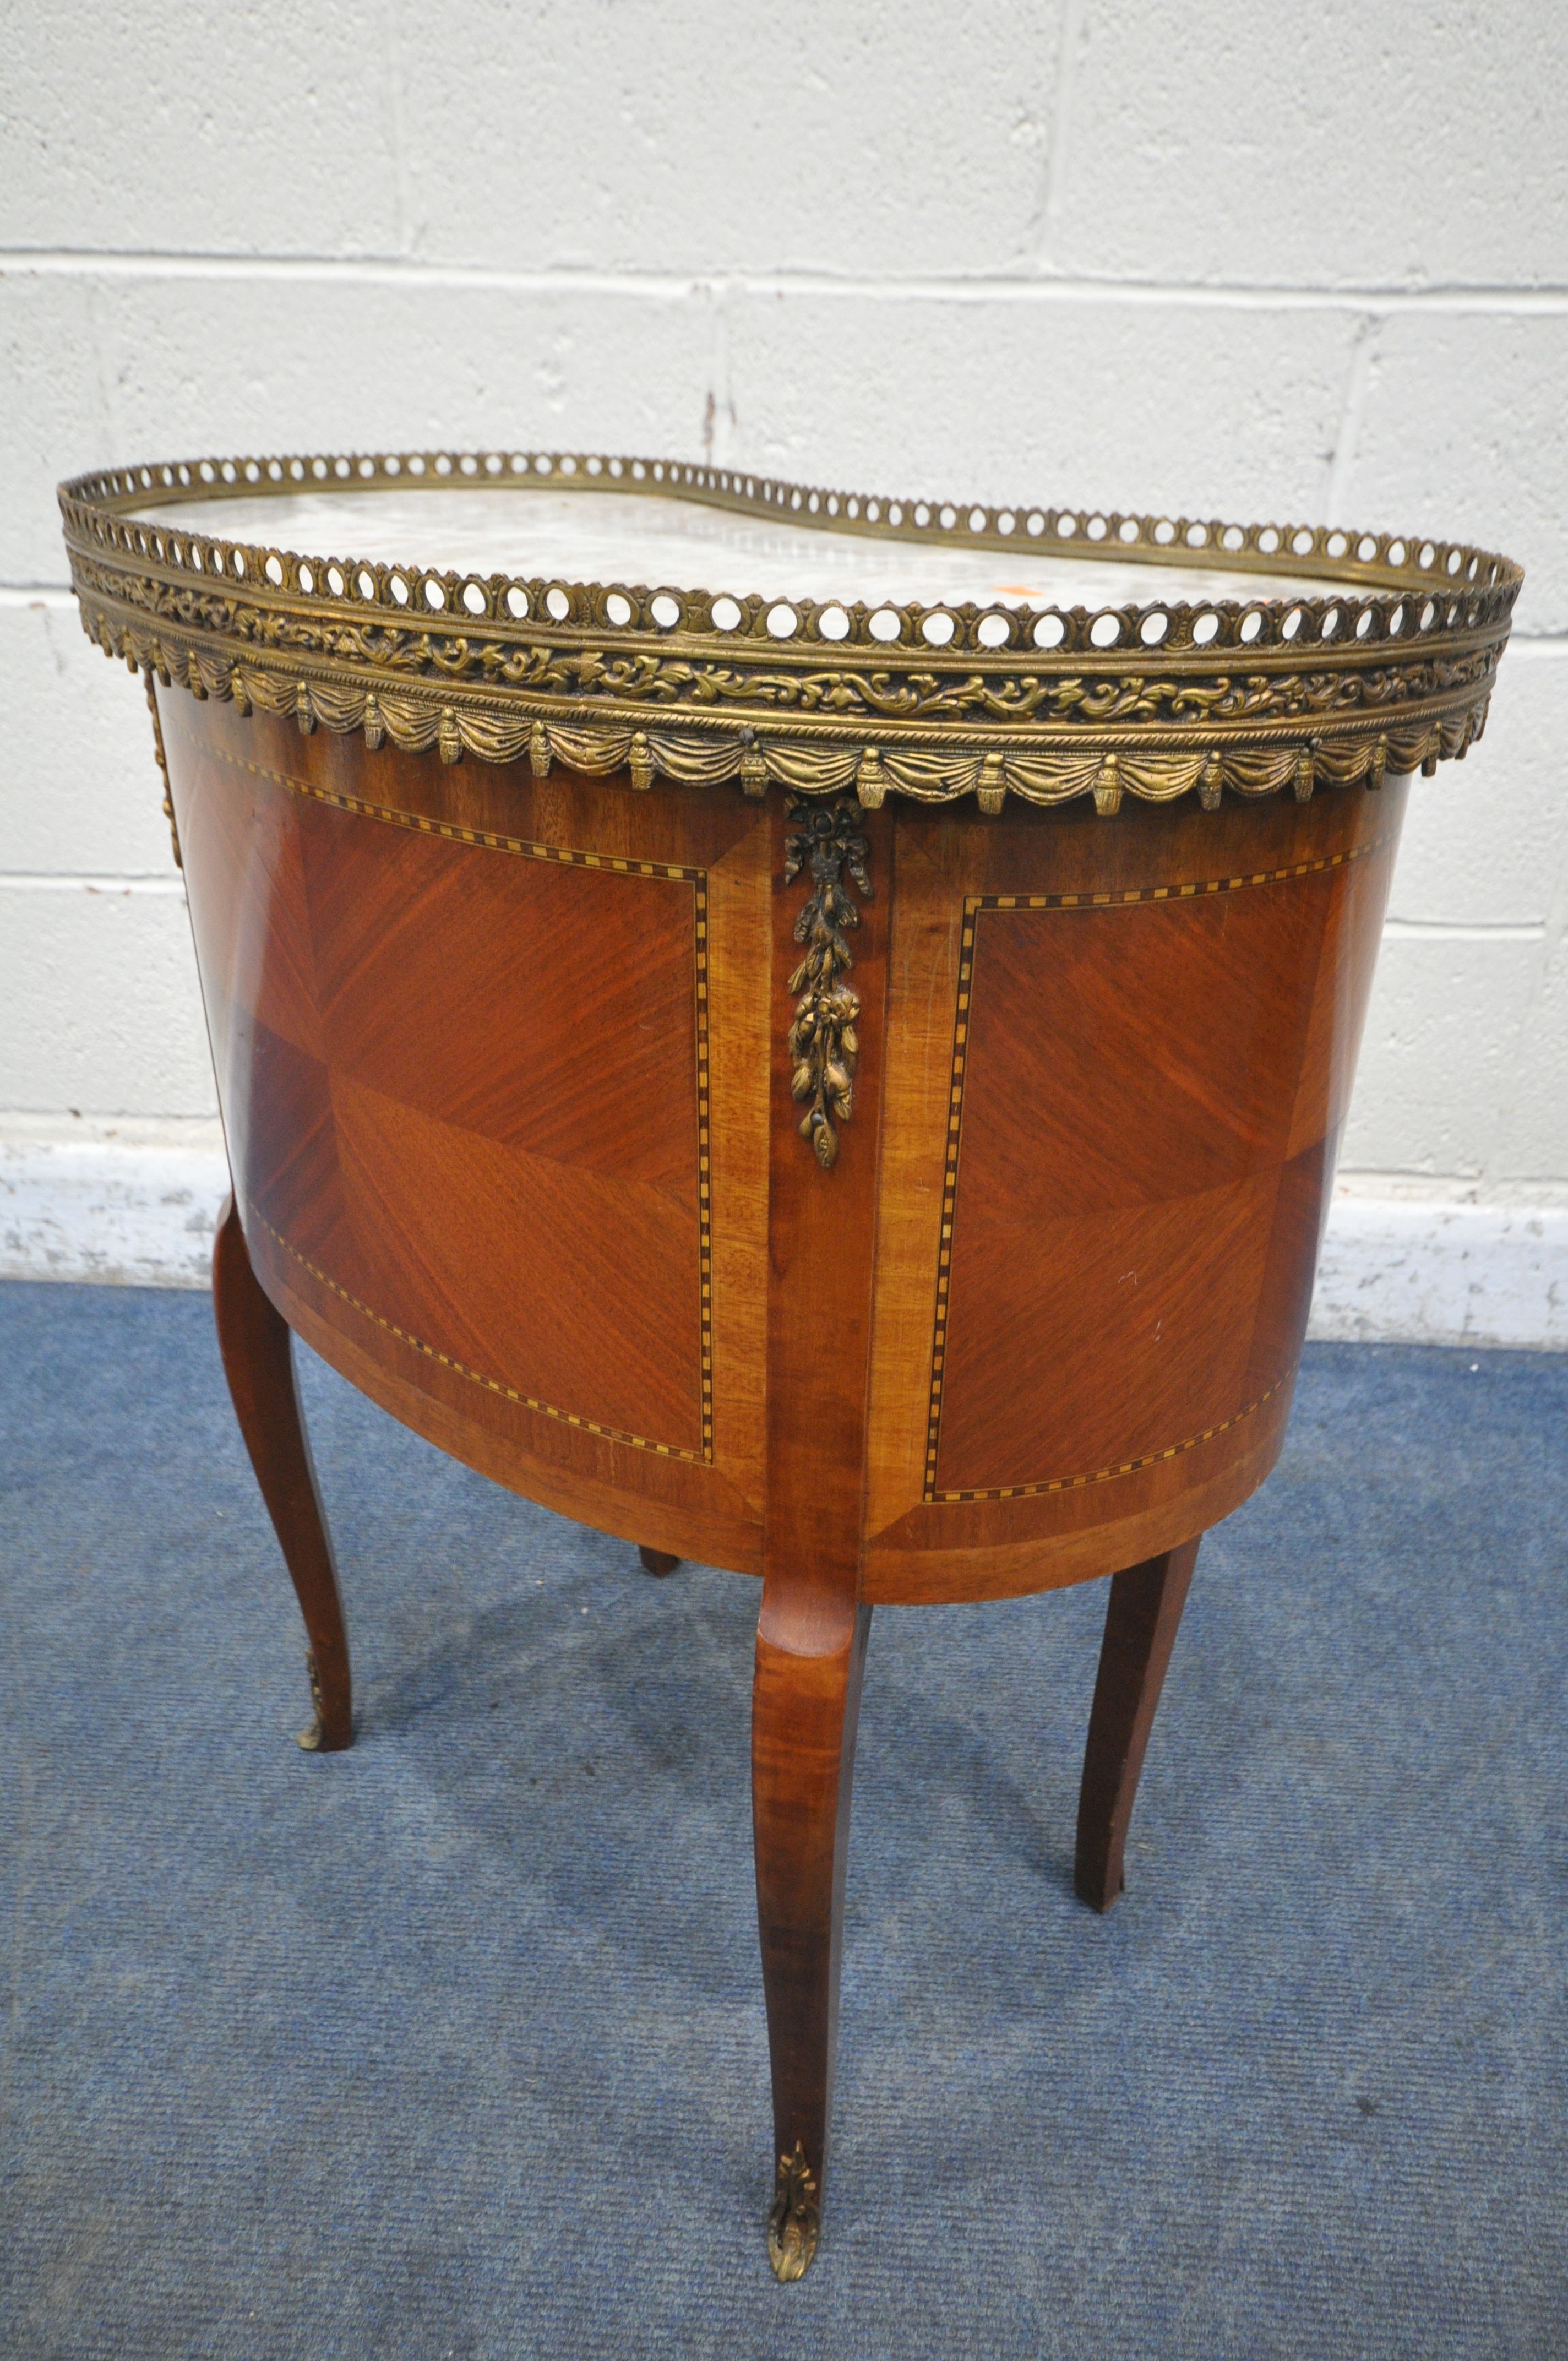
x=841 y=1088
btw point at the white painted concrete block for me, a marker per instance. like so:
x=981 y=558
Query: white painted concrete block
x=1439 y=1053
x=103 y=1013
x=164 y=126
x=55 y=416
x=79 y=790
x=1464 y=433
x=1485 y=840
x=1422 y=1271
x=695 y=136
x=127 y=1209
x=1073 y=400
x=1532 y=1142
x=1352 y=143
x=233 y=363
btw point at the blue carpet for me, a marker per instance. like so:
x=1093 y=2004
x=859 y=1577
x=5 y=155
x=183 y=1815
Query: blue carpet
x=452 y=2045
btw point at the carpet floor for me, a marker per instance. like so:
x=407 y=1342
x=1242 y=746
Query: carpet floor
x=452 y=2045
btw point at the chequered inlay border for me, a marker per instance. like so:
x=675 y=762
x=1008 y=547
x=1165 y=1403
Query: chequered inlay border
x=974 y=905
x=566 y=858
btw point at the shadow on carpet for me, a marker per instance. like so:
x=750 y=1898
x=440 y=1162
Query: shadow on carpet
x=454 y=2045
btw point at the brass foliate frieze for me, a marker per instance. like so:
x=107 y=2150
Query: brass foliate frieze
x=1390 y=667
x=823 y=1046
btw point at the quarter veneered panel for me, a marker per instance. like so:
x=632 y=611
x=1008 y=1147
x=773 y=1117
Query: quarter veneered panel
x=547 y=1006
x=463 y=1083
x=574 y=1288
x=1130 y=1087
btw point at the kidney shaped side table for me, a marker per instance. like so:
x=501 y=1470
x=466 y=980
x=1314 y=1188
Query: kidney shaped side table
x=840 y=1082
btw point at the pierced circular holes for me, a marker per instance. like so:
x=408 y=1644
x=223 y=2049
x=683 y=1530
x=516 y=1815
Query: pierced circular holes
x=666 y=610
x=443 y=465
x=1129 y=528
x=1153 y=628
x=1395 y=553
x=1301 y=542
x=1197 y=536
x=474 y=599
x=416 y=464
x=1006 y=521
x=782 y=621
x=921 y=514
x=517 y=604
x=558 y=605
x=1292 y=624
x=1035 y=524
x=1251 y=626
x=1428 y=556
x=884 y=625
x=977 y=521
x=993 y=630
x=307 y=580
x=1365 y=622
x=938 y=629
x=333 y=578
x=434 y=594
x=833 y=623
x=617 y=607
x=1329 y=628
x=1428 y=615
x=365 y=583
x=1105 y=631
x=237 y=562
x=1050 y=632
x=1205 y=629
x=1366 y=549
x=1165 y=532
x=1267 y=541
x=494 y=462
x=1096 y=529
x=397 y=588
x=1398 y=620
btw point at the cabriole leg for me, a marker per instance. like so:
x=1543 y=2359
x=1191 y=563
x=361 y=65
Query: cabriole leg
x=1141 y=1621
x=255 y=1343
x=805 y=1705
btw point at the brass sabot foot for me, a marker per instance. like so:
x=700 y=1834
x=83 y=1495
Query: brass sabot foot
x=310 y=1739
x=794 y=2222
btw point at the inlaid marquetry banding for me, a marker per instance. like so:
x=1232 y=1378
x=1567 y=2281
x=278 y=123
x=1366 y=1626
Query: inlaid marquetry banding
x=566 y=857
x=462 y=1370
x=975 y=905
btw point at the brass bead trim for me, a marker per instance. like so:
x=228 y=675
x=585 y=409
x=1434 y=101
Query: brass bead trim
x=163 y=769
x=974 y=905
x=936 y=703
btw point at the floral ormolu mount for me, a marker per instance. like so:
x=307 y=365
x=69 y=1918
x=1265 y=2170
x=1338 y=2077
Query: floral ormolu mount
x=822 y=1044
